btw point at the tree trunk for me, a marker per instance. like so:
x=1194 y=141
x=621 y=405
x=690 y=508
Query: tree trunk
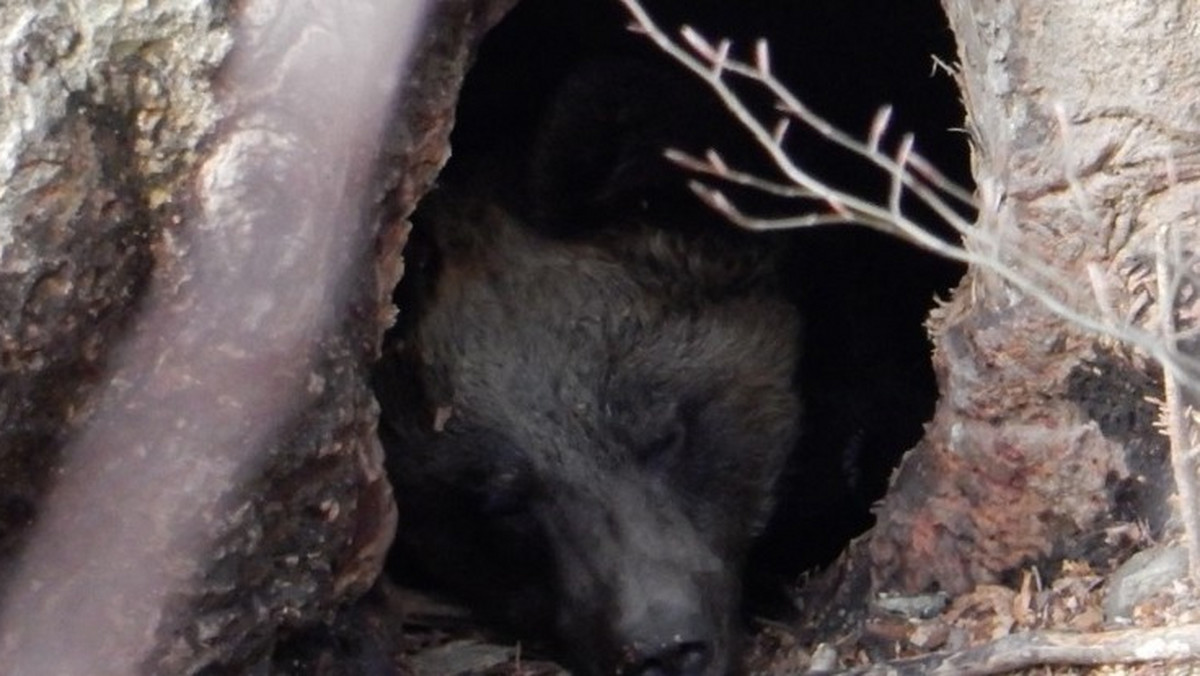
x=1083 y=123
x=197 y=250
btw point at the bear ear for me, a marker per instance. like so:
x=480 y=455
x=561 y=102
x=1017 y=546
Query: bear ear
x=598 y=172
x=598 y=157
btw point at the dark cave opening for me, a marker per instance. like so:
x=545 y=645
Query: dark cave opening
x=867 y=381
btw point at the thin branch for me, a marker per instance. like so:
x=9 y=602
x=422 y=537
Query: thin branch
x=1183 y=461
x=730 y=175
x=980 y=248
x=1046 y=648
x=942 y=182
x=878 y=128
x=897 y=190
x=717 y=201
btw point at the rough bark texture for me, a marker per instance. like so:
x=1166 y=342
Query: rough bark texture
x=1012 y=470
x=103 y=109
x=120 y=153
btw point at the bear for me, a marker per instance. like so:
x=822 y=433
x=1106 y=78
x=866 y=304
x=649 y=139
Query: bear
x=585 y=425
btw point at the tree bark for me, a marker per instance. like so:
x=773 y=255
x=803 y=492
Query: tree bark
x=197 y=253
x=1084 y=135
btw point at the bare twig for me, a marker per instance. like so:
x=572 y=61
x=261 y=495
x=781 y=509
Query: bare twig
x=1047 y=648
x=717 y=200
x=909 y=172
x=1176 y=424
x=720 y=170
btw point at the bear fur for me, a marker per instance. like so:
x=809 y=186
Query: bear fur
x=585 y=424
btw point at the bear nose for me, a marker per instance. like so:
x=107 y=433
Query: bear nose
x=684 y=658
x=665 y=630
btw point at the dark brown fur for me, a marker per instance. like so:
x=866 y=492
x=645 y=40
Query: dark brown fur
x=585 y=441
x=586 y=416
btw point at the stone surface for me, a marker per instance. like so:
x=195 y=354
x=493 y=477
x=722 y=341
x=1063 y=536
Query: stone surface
x=1140 y=577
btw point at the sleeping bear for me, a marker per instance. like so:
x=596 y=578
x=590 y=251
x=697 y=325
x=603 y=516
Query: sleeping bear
x=590 y=394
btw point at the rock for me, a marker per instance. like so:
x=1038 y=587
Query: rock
x=1144 y=574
